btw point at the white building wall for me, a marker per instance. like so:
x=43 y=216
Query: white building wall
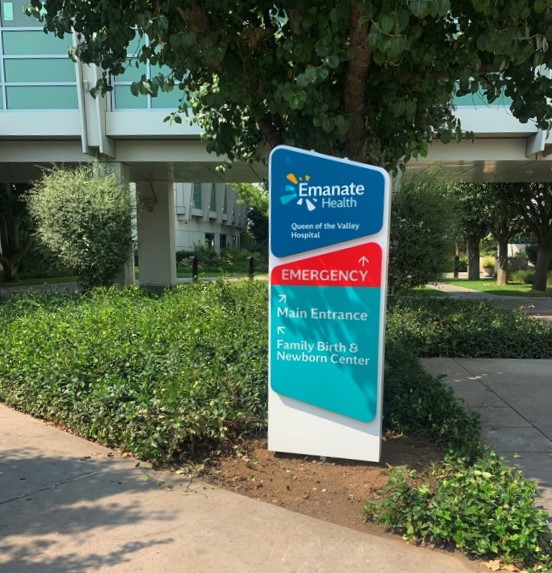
x=220 y=222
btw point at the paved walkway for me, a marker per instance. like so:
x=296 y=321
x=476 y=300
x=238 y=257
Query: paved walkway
x=71 y=506
x=514 y=399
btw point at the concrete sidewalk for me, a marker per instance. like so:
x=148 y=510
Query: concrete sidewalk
x=514 y=399
x=68 y=505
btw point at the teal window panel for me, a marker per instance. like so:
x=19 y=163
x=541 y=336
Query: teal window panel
x=30 y=42
x=479 y=99
x=41 y=97
x=196 y=196
x=1 y=100
x=39 y=70
x=125 y=100
x=131 y=74
x=167 y=100
x=13 y=14
x=213 y=198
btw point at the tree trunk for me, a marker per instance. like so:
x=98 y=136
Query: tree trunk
x=541 y=268
x=473 y=258
x=502 y=260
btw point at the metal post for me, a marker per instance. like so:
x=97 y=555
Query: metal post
x=195 y=268
x=250 y=267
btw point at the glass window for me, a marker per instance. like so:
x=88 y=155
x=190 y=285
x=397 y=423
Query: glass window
x=34 y=43
x=213 y=198
x=41 y=97
x=13 y=14
x=223 y=241
x=225 y=203
x=197 y=196
x=210 y=240
x=167 y=100
x=39 y=70
x=125 y=100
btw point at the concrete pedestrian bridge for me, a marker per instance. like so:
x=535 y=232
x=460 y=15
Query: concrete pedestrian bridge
x=47 y=116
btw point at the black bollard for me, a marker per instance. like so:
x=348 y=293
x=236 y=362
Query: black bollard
x=195 y=268
x=250 y=267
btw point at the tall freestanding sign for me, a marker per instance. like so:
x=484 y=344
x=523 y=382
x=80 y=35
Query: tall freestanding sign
x=329 y=236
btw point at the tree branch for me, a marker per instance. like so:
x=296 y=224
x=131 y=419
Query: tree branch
x=355 y=84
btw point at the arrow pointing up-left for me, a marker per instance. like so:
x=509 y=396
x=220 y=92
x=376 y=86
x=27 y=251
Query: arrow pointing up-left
x=281 y=330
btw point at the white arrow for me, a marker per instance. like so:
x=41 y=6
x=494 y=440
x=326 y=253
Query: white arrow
x=363 y=261
x=281 y=330
x=282 y=298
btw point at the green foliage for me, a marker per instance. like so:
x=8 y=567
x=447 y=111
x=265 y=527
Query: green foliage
x=421 y=234
x=161 y=377
x=230 y=260
x=15 y=229
x=523 y=277
x=531 y=251
x=488 y=262
x=85 y=220
x=41 y=262
x=485 y=509
x=466 y=328
x=368 y=80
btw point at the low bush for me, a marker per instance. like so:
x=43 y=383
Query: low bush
x=466 y=328
x=159 y=377
x=484 y=508
x=523 y=277
x=416 y=403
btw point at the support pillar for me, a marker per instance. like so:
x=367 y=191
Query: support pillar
x=156 y=234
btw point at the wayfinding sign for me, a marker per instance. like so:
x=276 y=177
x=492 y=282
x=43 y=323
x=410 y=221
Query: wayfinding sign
x=328 y=267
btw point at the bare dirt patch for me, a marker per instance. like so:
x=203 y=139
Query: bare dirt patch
x=331 y=489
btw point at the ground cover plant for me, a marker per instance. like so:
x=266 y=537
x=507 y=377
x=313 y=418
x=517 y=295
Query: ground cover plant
x=466 y=329
x=183 y=375
x=153 y=375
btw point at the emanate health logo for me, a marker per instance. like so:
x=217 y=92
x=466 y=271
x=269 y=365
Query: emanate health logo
x=291 y=192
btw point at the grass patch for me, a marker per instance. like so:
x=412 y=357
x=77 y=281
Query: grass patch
x=490 y=287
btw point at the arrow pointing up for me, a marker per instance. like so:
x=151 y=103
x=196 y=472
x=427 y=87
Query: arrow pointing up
x=363 y=261
x=282 y=298
x=281 y=330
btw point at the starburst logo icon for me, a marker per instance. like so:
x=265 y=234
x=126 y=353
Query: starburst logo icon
x=291 y=193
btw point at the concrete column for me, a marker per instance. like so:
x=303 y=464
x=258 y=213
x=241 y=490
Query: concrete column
x=156 y=234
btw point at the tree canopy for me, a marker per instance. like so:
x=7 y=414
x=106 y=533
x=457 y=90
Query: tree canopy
x=369 y=80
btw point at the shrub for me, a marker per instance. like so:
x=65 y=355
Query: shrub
x=421 y=236
x=161 y=377
x=488 y=262
x=523 y=277
x=466 y=328
x=85 y=220
x=484 y=508
x=417 y=403
x=41 y=262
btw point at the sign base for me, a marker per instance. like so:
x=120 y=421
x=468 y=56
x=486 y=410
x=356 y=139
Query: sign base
x=299 y=428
